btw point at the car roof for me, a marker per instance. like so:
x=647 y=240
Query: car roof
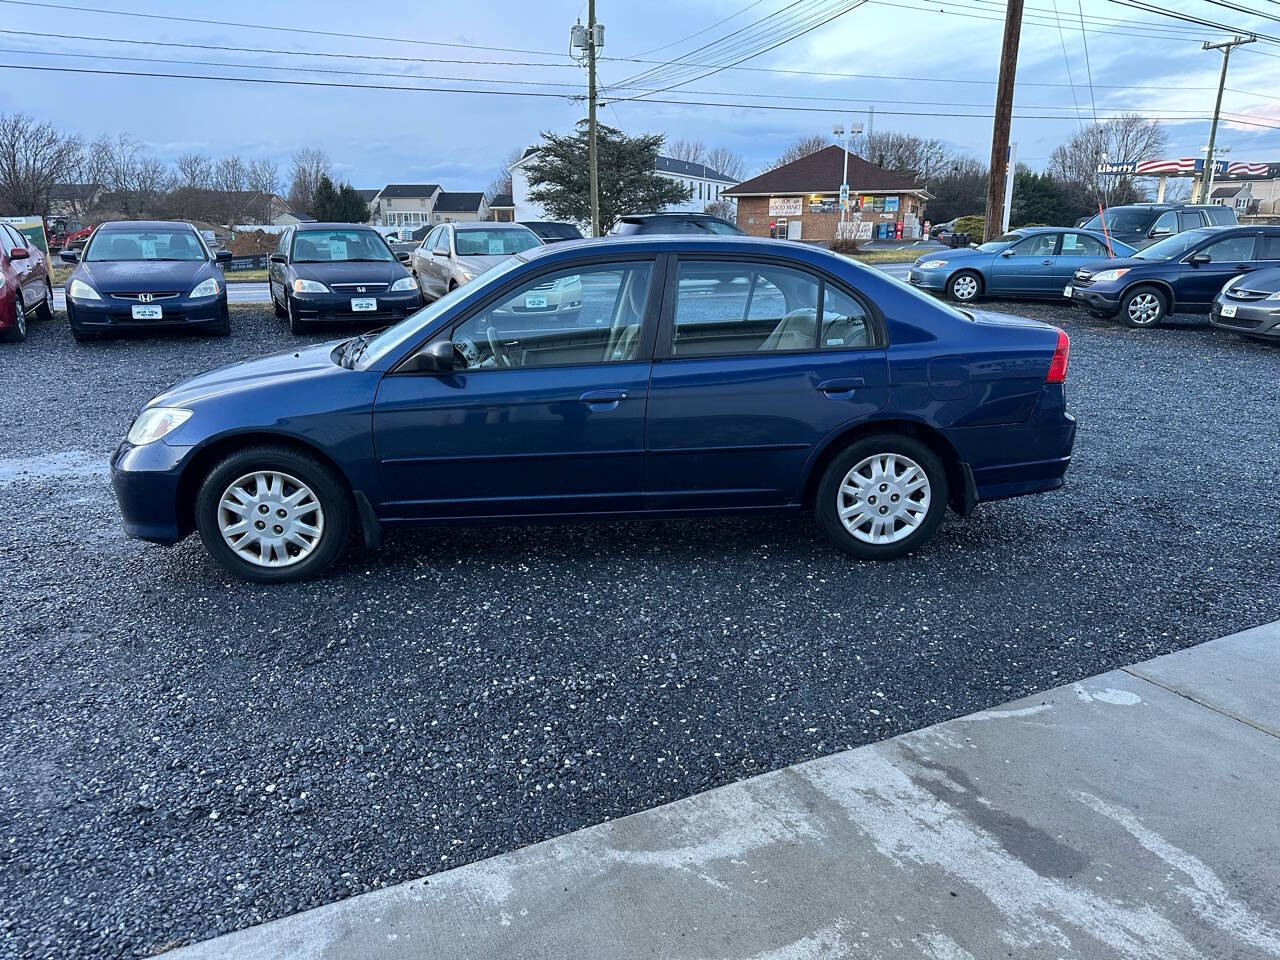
x=670 y=215
x=335 y=226
x=655 y=243
x=144 y=225
x=487 y=225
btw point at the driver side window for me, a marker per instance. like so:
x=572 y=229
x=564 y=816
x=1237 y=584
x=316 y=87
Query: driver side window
x=590 y=314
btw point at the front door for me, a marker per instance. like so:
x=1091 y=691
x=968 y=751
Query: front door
x=1075 y=249
x=544 y=411
x=1027 y=267
x=1199 y=283
x=756 y=363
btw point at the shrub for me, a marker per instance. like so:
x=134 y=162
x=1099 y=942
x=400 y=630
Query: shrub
x=972 y=225
x=844 y=245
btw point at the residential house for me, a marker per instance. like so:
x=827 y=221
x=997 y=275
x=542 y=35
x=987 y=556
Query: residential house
x=455 y=207
x=502 y=208
x=410 y=205
x=801 y=200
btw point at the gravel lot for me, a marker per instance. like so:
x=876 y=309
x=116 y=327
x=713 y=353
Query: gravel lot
x=185 y=755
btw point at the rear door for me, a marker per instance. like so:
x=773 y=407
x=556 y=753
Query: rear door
x=544 y=411
x=1075 y=249
x=756 y=362
x=1027 y=267
x=1199 y=283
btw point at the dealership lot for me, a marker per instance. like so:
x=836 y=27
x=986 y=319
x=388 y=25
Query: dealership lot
x=188 y=755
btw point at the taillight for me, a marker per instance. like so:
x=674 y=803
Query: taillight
x=1058 y=366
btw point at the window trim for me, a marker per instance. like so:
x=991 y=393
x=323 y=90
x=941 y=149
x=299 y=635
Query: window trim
x=1062 y=239
x=666 y=328
x=648 y=323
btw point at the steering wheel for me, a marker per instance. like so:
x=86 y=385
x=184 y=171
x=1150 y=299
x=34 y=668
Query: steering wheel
x=495 y=348
x=466 y=348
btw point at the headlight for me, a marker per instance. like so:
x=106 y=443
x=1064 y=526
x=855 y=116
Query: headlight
x=933 y=264
x=309 y=286
x=404 y=283
x=206 y=288
x=1275 y=296
x=82 y=291
x=156 y=422
x=1106 y=276
x=467 y=276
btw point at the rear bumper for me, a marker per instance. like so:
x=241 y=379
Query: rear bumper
x=145 y=481
x=1253 y=319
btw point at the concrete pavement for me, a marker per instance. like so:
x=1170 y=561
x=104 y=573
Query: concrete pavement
x=1134 y=815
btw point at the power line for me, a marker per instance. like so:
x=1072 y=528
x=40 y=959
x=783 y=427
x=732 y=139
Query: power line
x=673 y=43
x=1188 y=18
x=542 y=94
x=1245 y=10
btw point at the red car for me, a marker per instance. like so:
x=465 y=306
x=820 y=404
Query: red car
x=24 y=284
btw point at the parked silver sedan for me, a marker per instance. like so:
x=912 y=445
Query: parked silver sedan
x=1250 y=304
x=454 y=254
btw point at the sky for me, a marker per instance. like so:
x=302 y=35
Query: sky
x=1133 y=61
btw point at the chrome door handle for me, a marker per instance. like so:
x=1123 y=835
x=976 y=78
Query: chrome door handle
x=841 y=387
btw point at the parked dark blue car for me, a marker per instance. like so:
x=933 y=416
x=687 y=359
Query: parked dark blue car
x=1183 y=273
x=146 y=275
x=716 y=375
x=1027 y=262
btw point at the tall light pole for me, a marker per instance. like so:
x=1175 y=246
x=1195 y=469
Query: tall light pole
x=1206 y=182
x=586 y=44
x=839 y=131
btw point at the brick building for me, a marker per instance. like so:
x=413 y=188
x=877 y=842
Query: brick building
x=801 y=200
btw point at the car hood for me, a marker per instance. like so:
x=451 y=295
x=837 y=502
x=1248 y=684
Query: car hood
x=145 y=276
x=1091 y=267
x=968 y=254
x=478 y=264
x=382 y=271
x=274 y=368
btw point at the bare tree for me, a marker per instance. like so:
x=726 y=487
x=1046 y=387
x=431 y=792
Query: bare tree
x=120 y=164
x=264 y=181
x=194 y=171
x=800 y=149
x=309 y=165
x=501 y=184
x=903 y=153
x=33 y=157
x=691 y=151
x=152 y=182
x=724 y=209
x=727 y=162
x=1126 y=139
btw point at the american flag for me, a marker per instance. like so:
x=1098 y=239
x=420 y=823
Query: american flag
x=1246 y=170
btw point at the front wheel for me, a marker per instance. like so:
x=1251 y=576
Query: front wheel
x=46 y=305
x=965 y=286
x=1144 y=307
x=273 y=515
x=18 y=331
x=296 y=326
x=222 y=326
x=882 y=497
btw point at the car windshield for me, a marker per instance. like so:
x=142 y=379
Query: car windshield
x=412 y=326
x=494 y=243
x=339 y=246
x=560 y=231
x=1123 y=221
x=178 y=243
x=1170 y=248
x=993 y=246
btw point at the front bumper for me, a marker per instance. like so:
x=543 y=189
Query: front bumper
x=328 y=307
x=1252 y=318
x=1098 y=298
x=933 y=280
x=146 y=482
x=110 y=313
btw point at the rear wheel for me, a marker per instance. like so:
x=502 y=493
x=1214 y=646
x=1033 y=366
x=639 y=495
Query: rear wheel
x=965 y=286
x=18 y=332
x=273 y=515
x=46 y=306
x=882 y=497
x=1144 y=307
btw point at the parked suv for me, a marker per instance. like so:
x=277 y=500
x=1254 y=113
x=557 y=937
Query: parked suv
x=695 y=223
x=1142 y=224
x=1182 y=273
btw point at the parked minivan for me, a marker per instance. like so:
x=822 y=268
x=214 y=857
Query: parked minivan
x=1142 y=224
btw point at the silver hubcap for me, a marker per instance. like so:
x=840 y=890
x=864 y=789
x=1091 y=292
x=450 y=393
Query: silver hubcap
x=22 y=315
x=1144 y=308
x=965 y=288
x=270 y=519
x=884 y=498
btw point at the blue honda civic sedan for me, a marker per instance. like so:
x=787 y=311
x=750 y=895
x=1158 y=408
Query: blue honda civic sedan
x=721 y=375
x=1028 y=262
x=146 y=275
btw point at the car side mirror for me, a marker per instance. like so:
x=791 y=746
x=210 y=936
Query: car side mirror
x=1199 y=258
x=19 y=253
x=279 y=258
x=222 y=256
x=402 y=257
x=69 y=256
x=1006 y=253
x=434 y=358
x=1160 y=232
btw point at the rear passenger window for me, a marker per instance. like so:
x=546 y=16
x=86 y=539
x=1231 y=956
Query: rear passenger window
x=844 y=321
x=1232 y=249
x=1269 y=247
x=734 y=308
x=1082 y=245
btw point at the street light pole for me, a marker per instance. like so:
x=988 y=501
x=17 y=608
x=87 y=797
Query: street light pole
x=1206 y=182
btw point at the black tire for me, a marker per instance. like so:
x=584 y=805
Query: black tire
x=45 y=311
x=296 y=326
x=222 y=326
x=18 y=332
x=830 y=497
x=966 y=281
x=1144 y=307
x=330 y=491
x=275 y=304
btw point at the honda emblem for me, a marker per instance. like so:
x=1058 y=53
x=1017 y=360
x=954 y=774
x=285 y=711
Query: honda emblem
x=146 y=297
x=359 y=289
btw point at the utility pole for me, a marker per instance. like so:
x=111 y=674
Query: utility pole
x=839 y=131
x=1206 y=182
x=1003 y=120
x=586 y=45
